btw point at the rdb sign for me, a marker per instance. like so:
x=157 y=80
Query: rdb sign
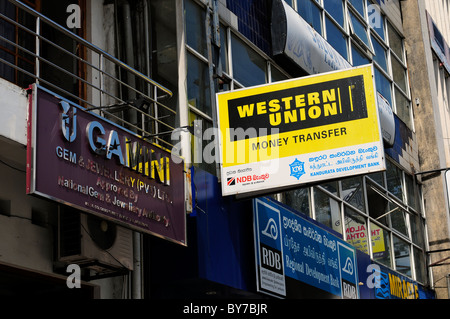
x=294 y=256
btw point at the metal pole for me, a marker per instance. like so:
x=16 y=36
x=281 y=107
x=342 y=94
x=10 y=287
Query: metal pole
x=448 y=286
x=38 y=50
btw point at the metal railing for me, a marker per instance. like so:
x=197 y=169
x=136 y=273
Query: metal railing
x=44 y=52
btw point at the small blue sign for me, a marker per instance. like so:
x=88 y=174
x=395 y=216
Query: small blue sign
x=309 y=254
x=269 y=249
x=297 y=168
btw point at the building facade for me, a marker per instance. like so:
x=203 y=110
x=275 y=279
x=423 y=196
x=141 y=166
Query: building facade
x=150 y=70
x=433 y=109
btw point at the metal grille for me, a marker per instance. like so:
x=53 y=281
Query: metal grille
x=34 y=48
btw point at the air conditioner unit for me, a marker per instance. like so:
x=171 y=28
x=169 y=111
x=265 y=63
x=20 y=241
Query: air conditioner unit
x=94 y=243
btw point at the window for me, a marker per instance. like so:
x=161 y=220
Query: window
x=199 y=91
x=336 y=9
x=378 y=205
x=353 y=192
x=249 y=68
x=311 y=13
x=14 y=44
x=358 y=5
x=360 y=30
x=398 y=73
x=380 y=54
x=395 y=42
x=336 y=38
x=383 y=85
x=419 y=263
x=381 y=212
x=402 y=253
x=381 y=244
x=373 y=39
x=298 y=199
x=327 y=210
x=358 y=57
x=394 y=179
x=403 y=106
x=242 y=64
x=356 y=229
x=398 y=219
x=195 y=30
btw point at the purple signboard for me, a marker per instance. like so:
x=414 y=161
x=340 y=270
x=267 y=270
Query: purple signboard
x=78 y=158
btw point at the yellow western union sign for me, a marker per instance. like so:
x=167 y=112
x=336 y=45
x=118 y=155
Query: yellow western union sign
x=299 y=131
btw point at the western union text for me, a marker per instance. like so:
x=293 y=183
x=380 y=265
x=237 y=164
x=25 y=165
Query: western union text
x=296 y=108
x=300 y=107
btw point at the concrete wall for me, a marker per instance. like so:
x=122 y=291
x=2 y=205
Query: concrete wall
x=427 y=120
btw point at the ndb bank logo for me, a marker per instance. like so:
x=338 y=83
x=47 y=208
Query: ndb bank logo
x=297 y=168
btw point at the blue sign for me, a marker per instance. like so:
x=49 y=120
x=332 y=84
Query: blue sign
x=309 y=254
x=269 y=251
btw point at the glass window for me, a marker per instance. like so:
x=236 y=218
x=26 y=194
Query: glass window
x=195 y=27
x=336 y=9
x=378 y=205
x=358 y=57
x=356 y=230
x=376 y=19
x=276 y=75
x=311 y=13
x=399 y=74
x=417 y=230
x=331 y=186
x=298 y=199
x=381 y=246
x=383 y=85
x=394 y=180
x=358 y=5
x=403 y=107
x=377 y=177
x=249 y=68
x=402 y=255
x=395 y=42
x=198 y=90
x=336 y=38
x=419 y=262
x=360 y=30
x=289 y=2
x=398 y=219
x=380 y=54
x=327 y=210
x=224 y=49
x=353 y=192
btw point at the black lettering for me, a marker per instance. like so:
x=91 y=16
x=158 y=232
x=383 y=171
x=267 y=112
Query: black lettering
x=301 y=107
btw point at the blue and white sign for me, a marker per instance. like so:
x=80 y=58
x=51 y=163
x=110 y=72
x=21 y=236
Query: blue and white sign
x=289 y=245
x=269 y=251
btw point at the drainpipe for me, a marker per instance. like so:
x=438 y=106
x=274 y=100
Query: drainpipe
x=136 y=274
x=448 y=285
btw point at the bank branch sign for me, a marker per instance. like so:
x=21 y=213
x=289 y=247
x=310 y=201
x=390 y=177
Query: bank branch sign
x=292 y=251
x=80 y=159
x=299 y=131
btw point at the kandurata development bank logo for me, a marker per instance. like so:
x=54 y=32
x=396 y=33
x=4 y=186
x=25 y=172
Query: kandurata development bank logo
x=297 y=168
